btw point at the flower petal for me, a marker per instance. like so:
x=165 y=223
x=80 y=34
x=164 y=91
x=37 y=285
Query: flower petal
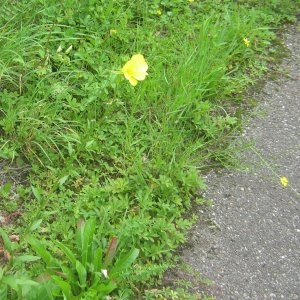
x=135 y=69
x=140 y=75
x=133 y=81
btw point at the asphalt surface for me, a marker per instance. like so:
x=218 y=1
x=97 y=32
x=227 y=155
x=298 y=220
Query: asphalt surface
x=249 y=247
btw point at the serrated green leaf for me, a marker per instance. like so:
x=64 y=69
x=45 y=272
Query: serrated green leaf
x=36 y=224
x=40 y=249
x=62 y=180
x=36 y=193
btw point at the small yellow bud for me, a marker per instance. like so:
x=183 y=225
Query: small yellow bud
x=284 y=181
x=246 y=42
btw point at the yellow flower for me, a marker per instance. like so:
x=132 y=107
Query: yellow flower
x=135 y=69
x=284 y=181
x=246 y=42
x=159 y=12
x=191 y=1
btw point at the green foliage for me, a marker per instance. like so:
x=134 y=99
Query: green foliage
x=83 y=271
x=126 y=159
x=14 y=280
x=171 y=294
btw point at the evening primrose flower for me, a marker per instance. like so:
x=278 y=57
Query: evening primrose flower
x=246 y=42
x=284 y=181
x=135 y=69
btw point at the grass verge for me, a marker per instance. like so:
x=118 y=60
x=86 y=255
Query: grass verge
x=113 y=167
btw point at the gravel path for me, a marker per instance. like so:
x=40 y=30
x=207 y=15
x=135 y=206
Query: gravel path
x=252 y=248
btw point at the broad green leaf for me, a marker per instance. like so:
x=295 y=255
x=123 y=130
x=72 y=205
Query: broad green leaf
x=36 y=193
x=89 y=237
x=84 y=238
x=105 y=289
x=82 y=274
x=67 y=252
x=97 y=260
x=123 y=263
x=69 y=274
x=80 y=235
x=36 y=224
x=65 y=287
x=95 y=280
x=62 y=180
